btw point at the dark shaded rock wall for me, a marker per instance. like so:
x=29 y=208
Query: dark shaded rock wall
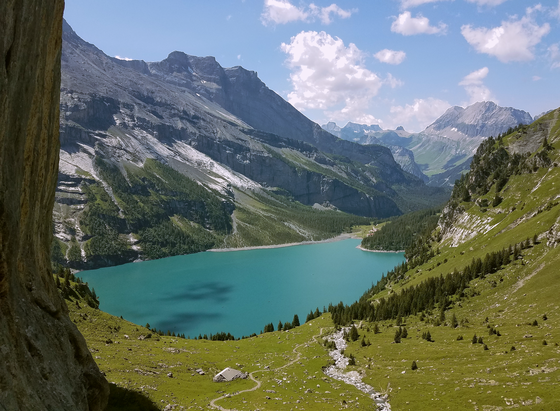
x=44 y=361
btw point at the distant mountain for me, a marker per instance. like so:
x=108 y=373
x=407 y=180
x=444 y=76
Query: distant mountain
x=444 y=149
x=373 y=134
x=177 y=156
x=482 y=119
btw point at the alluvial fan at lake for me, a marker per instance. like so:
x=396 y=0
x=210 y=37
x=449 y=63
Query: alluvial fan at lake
x=241 y=291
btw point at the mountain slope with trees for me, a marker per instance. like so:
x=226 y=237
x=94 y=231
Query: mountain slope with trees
x=183 y=155
x=481 y=288
x=468 y=321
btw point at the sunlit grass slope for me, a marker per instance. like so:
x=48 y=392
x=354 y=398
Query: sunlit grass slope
x=514 y=313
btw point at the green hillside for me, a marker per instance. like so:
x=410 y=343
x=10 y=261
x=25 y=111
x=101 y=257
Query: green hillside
x=478 y=298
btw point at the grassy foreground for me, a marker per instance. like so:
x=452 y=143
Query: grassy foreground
x=287 y=364
x=514 y=312
x=452 y=373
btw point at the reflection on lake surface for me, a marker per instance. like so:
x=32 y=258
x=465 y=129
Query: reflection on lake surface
x=241 y=291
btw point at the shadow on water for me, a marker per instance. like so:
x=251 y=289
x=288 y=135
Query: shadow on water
x=123 y=399
x=186 y=321
x=206 y=291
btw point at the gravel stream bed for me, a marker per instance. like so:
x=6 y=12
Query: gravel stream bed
x=354 y=378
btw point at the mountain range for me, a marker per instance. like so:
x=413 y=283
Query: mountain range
x=442 y=152
x=182 y=155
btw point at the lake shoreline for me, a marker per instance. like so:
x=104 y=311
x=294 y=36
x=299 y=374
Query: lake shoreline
x=340 y=237
x=379 y=251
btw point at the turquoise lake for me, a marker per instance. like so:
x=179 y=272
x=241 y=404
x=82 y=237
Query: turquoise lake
x=239 y=291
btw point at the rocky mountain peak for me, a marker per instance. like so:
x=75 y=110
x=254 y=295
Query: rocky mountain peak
x=482 y=119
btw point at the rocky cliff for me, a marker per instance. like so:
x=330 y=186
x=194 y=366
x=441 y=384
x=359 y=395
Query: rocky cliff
x=126 y=123
x=44 y=361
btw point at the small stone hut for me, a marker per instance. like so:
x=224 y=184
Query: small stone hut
x=229 y=374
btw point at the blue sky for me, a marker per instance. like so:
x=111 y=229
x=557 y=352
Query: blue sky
x=387 y=62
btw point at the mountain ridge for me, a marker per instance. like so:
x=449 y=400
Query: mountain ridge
x=118 y=117
x=443 y=149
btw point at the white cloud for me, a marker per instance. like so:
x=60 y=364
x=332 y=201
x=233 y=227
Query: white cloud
x=392 y=81
x=554 y=55
x=514 y=40
x=327 y=75
x=489 y=3
x=475 y=88
x=282 y=12
x=537 y=78
x=407 y=25
x=324 y=13
x=556 y=11
x=123 y=58
x=239 y=57
x=418 y=115
x=390 y=56
x=407 y=4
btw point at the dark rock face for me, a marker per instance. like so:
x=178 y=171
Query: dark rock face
x=44 y=360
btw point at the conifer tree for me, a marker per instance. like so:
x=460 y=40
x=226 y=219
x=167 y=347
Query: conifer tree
x=398 y=333
x=354 y=333
x=414 y=366
x=295 y=321
x=279 y=326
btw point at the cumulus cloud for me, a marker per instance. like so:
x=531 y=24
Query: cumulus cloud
x=475 y=88
x=490 y=3
x=418 y=115
x=407 y=25
x=327 y=74
x=390 y=56
x=407 y=4
x=282 y=12
x=514 y=40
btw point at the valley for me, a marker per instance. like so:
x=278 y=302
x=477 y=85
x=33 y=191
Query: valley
x=179 y=156
x=512 y=310
x=108 y=161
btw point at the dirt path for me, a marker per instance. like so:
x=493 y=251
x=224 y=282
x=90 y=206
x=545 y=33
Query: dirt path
x=252 y=377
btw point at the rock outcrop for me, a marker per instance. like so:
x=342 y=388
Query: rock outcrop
x=44 y=361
